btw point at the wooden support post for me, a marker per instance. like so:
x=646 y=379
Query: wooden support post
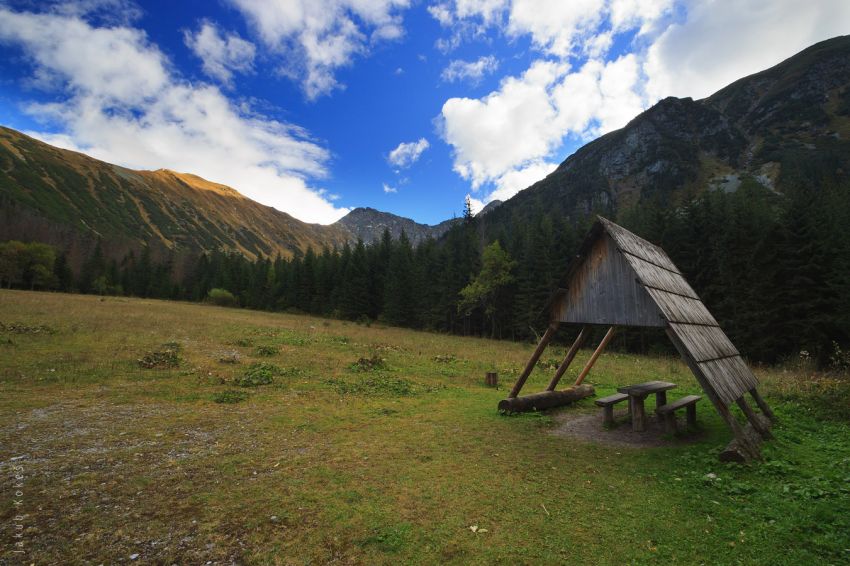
x=753 y=418
x=763 y=407
x=579 y=341
x=669 y=420
x=691 y=412
x=595 y=356
x=747 y=448
x=608 y=411
x=638 y=414
x=529 y=367
x=491 y=379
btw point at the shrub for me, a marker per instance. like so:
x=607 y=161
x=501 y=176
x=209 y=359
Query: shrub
x=19 y=328
x=258 y=374
x=380 y=385
x=230 y=396
x=222 y=298
x=167 y=356
x=267 y=351
x=369 y=364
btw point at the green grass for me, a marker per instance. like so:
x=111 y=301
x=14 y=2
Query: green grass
x=340 y=461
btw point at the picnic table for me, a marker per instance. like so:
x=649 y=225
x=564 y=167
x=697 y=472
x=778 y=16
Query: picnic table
x=638 y=393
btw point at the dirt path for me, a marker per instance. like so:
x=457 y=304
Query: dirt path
x=587 y=426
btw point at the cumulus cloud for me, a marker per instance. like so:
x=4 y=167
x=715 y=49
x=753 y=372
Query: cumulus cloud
x=505 y=137
x=406 y=154
x=314 y=38
x=555 y=28
x=474 y=71
x=516 y=180
x=714 y=46
x=222 y=55
x=117 y=98
x=389 y=190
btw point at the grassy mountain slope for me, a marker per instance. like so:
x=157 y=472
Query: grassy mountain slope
x=781 y=127
x=59 y=196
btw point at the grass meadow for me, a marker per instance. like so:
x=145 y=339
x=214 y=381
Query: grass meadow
x=142 y=431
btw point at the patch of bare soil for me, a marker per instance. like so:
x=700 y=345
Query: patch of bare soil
x=588 y=426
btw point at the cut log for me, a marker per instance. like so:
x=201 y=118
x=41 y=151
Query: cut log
x=745 y=448
x=491 y=379
x=545 y=400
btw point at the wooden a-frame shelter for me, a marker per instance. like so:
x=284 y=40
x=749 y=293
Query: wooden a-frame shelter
x=619 y=279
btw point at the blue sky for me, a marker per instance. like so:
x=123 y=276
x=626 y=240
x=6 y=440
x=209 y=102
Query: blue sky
x=319 y=106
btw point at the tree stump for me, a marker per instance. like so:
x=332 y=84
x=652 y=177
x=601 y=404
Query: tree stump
x=491 y=379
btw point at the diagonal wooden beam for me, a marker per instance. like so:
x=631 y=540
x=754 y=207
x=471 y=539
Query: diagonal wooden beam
x=595 y=356
x=751 y=415
x=763 y=406
x=751 y=448
x=568 y=359
x=529 y=367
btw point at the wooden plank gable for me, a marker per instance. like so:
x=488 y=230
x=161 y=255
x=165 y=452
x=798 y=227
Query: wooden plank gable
x=604 y=290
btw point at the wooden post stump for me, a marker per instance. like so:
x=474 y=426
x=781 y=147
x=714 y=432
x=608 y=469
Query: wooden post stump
x=669 y=420
x=691 y=413
x=638 y=414
x=491 y=379
x=608 y=411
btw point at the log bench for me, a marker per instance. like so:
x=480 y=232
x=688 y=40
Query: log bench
x=667 y=412
x=607 y=404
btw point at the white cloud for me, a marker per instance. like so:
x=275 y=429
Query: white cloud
x=554 y=26
x=505 y=137
x=505 y=129
x=459 y=70
x=118 y=100
x=221 y=55
x=442 y=13
x=107 y=12
x=315 y=38
x=406 y=154
x=716 y=44
x=516 y=180
x=388 y=189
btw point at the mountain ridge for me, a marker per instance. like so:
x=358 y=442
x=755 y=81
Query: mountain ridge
x=774 y=128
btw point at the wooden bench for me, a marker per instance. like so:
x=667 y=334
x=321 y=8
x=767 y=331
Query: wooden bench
x=668 y=412
x=607 y=404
